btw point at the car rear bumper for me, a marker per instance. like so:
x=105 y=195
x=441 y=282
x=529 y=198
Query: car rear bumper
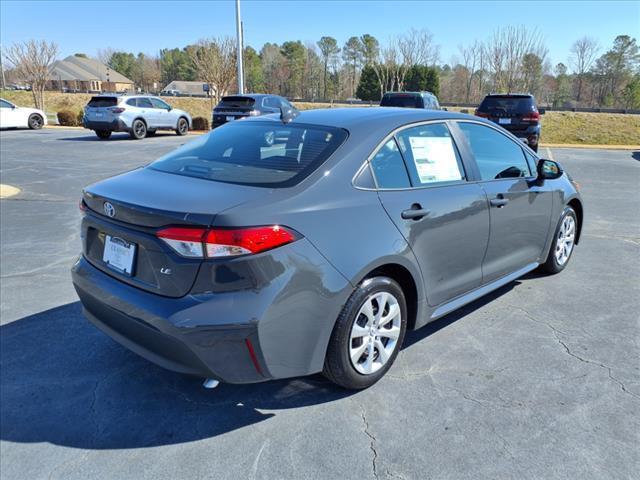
x=277 y=330
x=115 y=126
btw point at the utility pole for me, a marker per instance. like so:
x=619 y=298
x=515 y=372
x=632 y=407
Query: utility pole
x=239 y=48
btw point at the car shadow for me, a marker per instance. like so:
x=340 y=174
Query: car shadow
x=90 y=137
x=66 y=383
x=635 y=156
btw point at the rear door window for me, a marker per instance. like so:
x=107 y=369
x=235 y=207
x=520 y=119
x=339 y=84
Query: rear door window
x=430 y=154
x=157 y=103
x=144 y=103
x=388 y=167
x=496 y=155
x=264 y=154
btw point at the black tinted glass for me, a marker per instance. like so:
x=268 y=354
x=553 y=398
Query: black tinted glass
x=507 y=104
x=496 y=155
x=144 y=103
x=266 y=154
x=406 y=101
x=388 y=167
x=236 y=102
x=99 y=102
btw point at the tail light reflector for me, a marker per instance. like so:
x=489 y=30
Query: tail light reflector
x=533 y=117
x=482 y=114
x=225 y=242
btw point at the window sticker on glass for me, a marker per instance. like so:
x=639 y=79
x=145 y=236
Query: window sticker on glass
x=435 y=159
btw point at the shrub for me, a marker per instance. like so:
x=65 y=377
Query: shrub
x=67 y=118
x=200 y=123
x=80 y=117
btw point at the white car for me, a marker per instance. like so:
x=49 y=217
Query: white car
x=12 y=116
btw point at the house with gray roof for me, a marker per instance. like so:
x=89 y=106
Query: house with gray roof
x=78 y=73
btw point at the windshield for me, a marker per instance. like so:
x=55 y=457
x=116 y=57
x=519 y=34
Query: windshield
x=264 y=154
x=402 y=100
x=507 y=104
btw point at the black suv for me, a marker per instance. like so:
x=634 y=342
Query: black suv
x=410 y=100
x=234 y=107
x=516 y=113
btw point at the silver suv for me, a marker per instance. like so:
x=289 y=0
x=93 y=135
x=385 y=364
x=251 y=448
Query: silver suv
x=140 y=115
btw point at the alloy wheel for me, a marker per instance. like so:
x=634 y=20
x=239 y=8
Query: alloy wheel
x=565 y=240
x=375 y=332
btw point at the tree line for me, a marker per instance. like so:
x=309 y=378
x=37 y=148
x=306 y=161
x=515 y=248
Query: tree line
x=512 y=59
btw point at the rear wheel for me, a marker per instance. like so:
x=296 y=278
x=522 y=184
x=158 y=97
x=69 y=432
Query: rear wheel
x=183 y=126
x=138 y=130
x=103 y=134
x=368 y=334
x=35 y=122
x=563 y=242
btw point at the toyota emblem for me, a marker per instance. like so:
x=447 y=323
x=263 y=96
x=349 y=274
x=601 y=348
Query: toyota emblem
x=109 y=209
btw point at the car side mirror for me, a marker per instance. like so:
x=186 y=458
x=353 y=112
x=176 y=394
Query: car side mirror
x=444 y=109
x=169 y=108
x=541 y=111
x=548 y=170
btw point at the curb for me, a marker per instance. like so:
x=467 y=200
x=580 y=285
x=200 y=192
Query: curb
x=590 y=147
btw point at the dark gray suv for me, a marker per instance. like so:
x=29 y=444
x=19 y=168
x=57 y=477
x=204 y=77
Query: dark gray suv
x=282 y=246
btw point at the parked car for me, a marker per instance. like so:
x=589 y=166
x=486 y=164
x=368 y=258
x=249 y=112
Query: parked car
x=171 y=92
x=139 y=115
x=12 y=116
x=410 y=100
x=280 y=247
x=515 y=112
x=236 y=107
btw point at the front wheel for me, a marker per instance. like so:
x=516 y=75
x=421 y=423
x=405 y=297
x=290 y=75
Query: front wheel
x=563 y=242
x=138 y=130
x=183 y=127
x=368 y=334
x=35 y=122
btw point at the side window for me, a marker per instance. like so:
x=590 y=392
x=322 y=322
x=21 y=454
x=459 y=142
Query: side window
x=132 y=102
x=388 y=167
x=496 y=155
x=157 y=103
x=430 y=154
x=4 y=104
x=144 y=103
x=533 y=162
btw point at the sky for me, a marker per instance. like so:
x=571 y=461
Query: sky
x=148 y=26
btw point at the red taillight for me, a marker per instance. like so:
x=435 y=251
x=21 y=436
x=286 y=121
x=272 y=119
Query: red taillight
x=481 y=114
x=225 y=242
x=82 y=206
x=533 y=117
x=117 y=110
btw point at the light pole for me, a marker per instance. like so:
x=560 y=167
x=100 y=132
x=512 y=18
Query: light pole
x=239 y=48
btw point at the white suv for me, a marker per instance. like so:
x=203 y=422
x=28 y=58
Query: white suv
x=140 y=115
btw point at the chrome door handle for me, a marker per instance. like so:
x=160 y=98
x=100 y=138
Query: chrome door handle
x=416 y=212
x=499 y=201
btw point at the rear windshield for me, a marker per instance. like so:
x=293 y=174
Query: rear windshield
x=236 y=102
x=402 y=100
x=507 y=104
x=263 y=154
x=97 y=102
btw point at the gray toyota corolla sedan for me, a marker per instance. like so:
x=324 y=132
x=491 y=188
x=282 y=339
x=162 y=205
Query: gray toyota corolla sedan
x=281 y=246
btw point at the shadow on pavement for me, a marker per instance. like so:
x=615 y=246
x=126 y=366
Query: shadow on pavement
x=65 y=383
x=636 y=156
x=91 y=137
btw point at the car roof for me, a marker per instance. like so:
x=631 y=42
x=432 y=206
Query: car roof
x=511 y=95
x=367 y=117
x=424 y=92
x=252 y=95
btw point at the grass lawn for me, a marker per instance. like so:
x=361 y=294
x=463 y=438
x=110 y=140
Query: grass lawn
x=557 y=127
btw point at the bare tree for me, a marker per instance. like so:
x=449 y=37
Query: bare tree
x=472 y=56
x=583 y=53
x=215 y=62
x=507 y=49
x=104 y=55
x=416 y=47
x=32 y=61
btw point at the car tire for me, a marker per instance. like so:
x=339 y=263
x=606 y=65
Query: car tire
x=138 y=129
x=360 y=350
x=563 y=242
x=103 y=134
x=35 y=121
x=183 y=126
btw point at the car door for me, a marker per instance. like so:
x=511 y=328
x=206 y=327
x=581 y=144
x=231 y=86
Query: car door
x=423 y=186
x=9 y=116
x=146 y=111
x=163 y=116
x=520 y=208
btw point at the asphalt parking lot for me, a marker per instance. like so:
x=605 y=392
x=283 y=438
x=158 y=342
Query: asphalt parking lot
x=539 y=380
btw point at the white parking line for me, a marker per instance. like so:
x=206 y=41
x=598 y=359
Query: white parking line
x=550 y=154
